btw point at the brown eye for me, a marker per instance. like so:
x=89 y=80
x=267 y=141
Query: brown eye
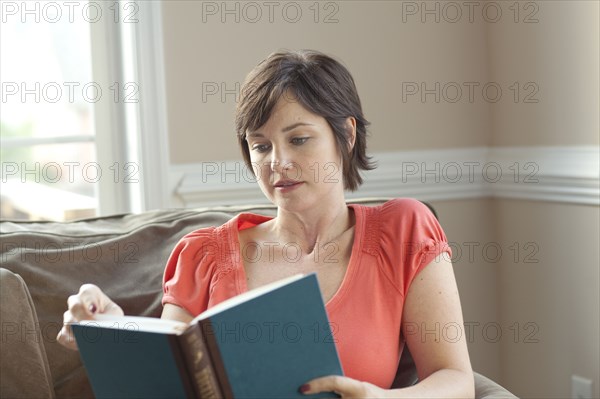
x=260 y=148
x=299 y=140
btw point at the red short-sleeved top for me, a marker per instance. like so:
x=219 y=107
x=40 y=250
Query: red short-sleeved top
x=392 y=243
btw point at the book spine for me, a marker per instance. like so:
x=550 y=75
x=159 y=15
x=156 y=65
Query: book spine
x=181 y=363
x=208 y=332
x=199 y=364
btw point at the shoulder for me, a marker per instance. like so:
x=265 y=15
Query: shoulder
x=405 y=207
x=201 y=244
x=195 y=250
x=410 y=218
x=399 y=222
x=409 y=215
x=397 y=213
x=196 y=263
x=216 y=242
x=197 y=238
x=403 y=235
x=200 y=269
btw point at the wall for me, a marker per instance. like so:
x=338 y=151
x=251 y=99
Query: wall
x=559 y=55
x=369 y=37
x=559 y=294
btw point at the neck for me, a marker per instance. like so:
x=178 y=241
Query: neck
x=315 y=227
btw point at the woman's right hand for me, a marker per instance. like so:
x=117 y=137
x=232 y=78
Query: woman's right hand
x=89 y=302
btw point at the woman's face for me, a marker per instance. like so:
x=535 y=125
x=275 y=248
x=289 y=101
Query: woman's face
x=295 y=157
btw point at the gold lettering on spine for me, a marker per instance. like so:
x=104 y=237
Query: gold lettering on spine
x=204 y=378
x=205 y=382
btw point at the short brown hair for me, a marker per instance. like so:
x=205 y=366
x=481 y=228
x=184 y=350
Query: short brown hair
x=323 y=86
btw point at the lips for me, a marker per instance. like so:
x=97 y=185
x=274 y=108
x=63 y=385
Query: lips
x=286 y=184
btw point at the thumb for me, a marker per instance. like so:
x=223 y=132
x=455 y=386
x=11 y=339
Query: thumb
x=345 y=386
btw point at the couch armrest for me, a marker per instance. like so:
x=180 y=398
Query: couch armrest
x=24 y=369
x=488 y=389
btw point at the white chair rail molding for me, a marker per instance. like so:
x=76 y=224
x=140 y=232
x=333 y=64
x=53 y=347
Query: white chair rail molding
x=567 y=174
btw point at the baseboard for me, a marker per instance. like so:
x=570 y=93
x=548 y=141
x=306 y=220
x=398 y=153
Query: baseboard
x=557 y=174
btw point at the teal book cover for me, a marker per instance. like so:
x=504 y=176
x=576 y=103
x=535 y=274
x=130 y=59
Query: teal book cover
x=262 y=344
x=270 y=345
x=124 y=362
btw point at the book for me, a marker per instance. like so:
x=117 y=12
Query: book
x=264 y=343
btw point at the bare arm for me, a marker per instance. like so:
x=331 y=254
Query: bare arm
x=434 y=331
x=174 y=312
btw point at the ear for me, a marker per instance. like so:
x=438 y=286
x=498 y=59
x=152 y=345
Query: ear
x=351 y=132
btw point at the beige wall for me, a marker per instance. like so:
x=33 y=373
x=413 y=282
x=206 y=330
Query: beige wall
x=558 y=295
x=558 y=55
x=380 y=51
x=541 y=292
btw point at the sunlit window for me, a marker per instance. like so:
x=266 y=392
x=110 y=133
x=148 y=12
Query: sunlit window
x=48 y=154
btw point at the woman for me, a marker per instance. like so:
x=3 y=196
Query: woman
x=384 y=271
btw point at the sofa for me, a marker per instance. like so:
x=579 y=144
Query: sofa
x=42 y=263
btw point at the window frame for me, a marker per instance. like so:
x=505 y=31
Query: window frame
x=136 y=133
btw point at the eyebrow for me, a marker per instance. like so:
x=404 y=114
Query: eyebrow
x=295 y=125
x=284 y=130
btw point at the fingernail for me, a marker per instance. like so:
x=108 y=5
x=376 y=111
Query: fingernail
x=304 y=388
x=92 y=308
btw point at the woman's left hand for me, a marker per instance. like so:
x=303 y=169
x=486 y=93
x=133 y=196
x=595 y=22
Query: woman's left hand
x=344 y=386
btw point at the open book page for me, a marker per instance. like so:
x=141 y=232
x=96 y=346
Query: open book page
x=136 y=323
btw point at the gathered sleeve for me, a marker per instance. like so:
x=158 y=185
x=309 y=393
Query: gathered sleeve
x=410 y=239
x=189 y=275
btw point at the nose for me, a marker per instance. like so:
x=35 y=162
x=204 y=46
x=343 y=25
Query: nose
x=283 y=165
x=279 y=160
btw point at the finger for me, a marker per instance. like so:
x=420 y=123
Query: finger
x=65 y=335
x=88 y=301
x=81 y=309
x=96 y=301
x=65 y=338
x=345 y=386
x=92 y=297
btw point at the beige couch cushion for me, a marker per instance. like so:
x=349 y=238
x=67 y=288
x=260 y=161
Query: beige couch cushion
x=24 y=370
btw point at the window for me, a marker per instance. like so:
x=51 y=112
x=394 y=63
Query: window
x=71 y=117
x=48 y=155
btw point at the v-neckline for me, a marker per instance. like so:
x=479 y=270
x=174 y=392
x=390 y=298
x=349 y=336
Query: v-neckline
x=238 y=261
